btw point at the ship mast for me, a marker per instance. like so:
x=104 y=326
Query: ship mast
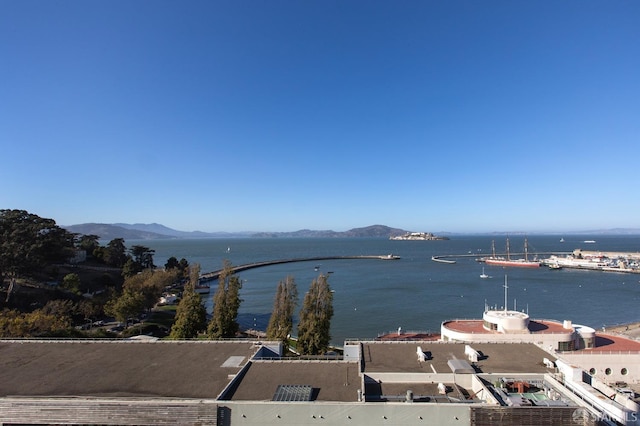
x=506 y=287
x=526 y=251
x=508 y=255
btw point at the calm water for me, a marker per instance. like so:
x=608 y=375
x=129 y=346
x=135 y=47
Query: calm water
x=415 y=293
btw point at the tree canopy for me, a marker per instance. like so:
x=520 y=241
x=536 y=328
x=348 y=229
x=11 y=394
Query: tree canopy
x=28 y=242
x=88 y=243
x=38 y=323
x=281 y=320
x=226 y=302
x=115 y=253
x=140 y=293
x=140 y=258
x=314 y=326
x=191 y=315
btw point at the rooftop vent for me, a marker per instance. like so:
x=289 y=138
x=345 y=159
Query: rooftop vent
x=291 y=393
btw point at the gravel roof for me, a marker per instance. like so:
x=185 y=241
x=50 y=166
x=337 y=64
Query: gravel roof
x=120 y=368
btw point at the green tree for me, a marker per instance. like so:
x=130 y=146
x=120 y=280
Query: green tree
x=60 y=308
x=281 y=320
x=33 y=324
x=129 y=304
x=71 y=282
x=191 y=315
x=89 y=309
x=226 y=302
x=115 y=253
x=182 y=266
x=143 y=256
x=314 y=326
x=88 y=243
x=29 y=242
x=130 y=268
x=150 y=284
x=172 y=263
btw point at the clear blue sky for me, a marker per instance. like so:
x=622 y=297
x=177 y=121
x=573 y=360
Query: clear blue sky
x=459 y=116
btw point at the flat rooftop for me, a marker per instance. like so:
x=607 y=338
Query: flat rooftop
x=401 y=357
x=203 y=369
x=421 y=392
x=190 y=369
x=612 y=343
x=330 y=380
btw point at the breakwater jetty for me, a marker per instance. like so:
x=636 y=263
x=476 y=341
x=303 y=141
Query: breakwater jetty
x=210 y=276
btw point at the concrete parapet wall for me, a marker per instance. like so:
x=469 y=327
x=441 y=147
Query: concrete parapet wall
x=387 y=413
x=623 y=367
x=412 y=377
x=117 y=411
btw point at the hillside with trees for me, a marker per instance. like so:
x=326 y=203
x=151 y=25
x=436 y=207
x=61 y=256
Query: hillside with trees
x=55 y=283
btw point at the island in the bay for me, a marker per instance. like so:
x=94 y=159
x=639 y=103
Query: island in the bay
x=418 y=236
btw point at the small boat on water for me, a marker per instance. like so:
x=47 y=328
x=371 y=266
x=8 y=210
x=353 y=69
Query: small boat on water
x=390 y=257
x=440 y=260
x=555 y=266
x=483 y=275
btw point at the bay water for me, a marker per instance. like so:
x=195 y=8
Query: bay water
x=373 y=296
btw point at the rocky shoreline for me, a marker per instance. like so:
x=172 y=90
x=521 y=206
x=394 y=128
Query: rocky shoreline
x=630 y=330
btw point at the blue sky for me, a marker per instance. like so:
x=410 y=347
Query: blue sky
x=458 y=116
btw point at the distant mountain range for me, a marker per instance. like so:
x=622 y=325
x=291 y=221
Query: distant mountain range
x=368 y=231
x=154 y=231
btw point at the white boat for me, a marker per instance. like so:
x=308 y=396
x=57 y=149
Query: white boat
x=483 y=275
x=439 y=260
x=390 y=257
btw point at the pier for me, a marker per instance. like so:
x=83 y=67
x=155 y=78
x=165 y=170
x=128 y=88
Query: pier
x=604 y=261
x=210 y=276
